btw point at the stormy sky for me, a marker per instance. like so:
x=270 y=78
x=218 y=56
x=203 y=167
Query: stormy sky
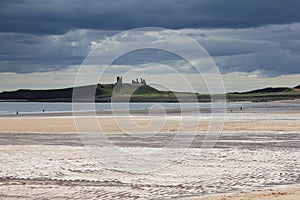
x=254 y=43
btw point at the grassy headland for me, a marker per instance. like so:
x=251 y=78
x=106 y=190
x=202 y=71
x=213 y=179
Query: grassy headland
x=146 y=93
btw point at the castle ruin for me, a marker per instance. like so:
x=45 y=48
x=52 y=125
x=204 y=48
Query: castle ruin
x=133 y=82
x=136 y=82
x=119 y=80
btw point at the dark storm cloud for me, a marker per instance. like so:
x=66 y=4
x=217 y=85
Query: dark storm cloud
x=26 y=53
x=273 y=50
x=23 y=53
x=60 y=16
x=42 y=36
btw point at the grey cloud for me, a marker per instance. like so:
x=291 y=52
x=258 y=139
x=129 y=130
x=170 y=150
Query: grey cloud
x=273 y=50
x=271 y=63
x=233 y=47
x=25 y=53
x=60 y=16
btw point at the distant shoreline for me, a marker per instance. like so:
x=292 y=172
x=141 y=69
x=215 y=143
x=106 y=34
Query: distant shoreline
x=252 y=99
x=103 y=93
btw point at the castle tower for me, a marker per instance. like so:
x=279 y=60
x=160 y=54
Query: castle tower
x=119 y=80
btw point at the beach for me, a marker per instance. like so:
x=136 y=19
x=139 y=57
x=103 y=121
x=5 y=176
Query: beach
x=241 y=123
x=285 y=193
x=152 y=100
x=256 y=157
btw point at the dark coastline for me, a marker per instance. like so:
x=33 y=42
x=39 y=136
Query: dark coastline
x=201 y=99
x=144 y=94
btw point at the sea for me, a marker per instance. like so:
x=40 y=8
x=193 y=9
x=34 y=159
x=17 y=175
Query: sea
x=9 y=108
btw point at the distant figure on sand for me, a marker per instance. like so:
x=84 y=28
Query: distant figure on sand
x=17 y=112
x=43 y=110
x=241 y=108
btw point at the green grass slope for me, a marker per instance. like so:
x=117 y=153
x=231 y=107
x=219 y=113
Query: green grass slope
x=103 y=93
x=145 y=93
x=265 y=94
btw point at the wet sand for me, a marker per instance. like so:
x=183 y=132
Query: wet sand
x=43 y=157
x=226 y=140
x=109 y=125
x=285 y=193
